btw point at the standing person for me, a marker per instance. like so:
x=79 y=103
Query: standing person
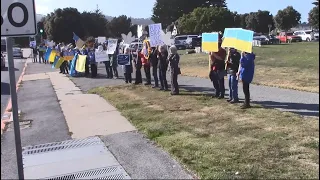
x=174 y=59
x=232 y=69
x=128 y=68
x=35 y=54
x=218 y=71
x=146 y=67
x=246 y=73
x=163 y=66
x=91 y=61
x=154 y=63
x=138 y=65
x=41 y=54
x=114 y=62
x=107 y=62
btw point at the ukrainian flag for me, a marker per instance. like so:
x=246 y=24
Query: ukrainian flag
x=47 y=54
x=79 y=43
x=244 y=40
x=230 y=37
x=210 y=42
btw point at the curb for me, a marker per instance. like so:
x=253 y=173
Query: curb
x=5 y=119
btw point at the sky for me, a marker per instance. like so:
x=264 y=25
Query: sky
x=143 y=8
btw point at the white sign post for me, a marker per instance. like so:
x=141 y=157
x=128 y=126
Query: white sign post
x=18 y=18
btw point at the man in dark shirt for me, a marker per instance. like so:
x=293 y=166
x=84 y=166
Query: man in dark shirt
x=218 y=71
x=232 y=69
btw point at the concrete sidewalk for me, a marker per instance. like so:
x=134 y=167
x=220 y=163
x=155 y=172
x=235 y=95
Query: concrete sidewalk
x=84 y=115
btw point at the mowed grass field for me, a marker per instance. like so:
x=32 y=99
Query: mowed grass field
x=217 y=140
x=293 y=66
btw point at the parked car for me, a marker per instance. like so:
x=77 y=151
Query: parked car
x=185 y=40
x=179 y=45
x=262 y=38
x=306 y=35
x=133 y=45
x=286 y=37
x=17 y=52
x=3 y=61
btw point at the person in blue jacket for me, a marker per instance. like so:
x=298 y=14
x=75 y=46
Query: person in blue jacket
x=246 y=72
x=91 y=61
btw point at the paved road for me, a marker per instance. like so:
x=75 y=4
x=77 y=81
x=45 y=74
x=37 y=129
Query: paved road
x=302 y=103
x=5 y=80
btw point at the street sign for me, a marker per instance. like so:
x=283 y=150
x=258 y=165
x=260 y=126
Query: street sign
x=18 y=18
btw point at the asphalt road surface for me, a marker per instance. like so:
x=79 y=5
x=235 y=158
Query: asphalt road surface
x=5 y=80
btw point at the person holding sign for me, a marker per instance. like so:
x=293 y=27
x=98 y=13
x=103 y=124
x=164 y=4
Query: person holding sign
x=102 y=48
x=154 y=63
x=218 y=70
x=245 y=74
x=90 y=61
x=128 y=68
x=138 y=65
x=233 y=61
x=163 y=66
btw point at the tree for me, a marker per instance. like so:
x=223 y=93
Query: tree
x=94 y=24
x=287 y=18
x=134 y=30
x=316 y=3
x=120 y=25
x=61 y=24
x=314 y=17
x=206 y=20
x=168 y=11
x=259 y=21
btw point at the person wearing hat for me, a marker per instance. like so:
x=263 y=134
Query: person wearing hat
x=218 y=70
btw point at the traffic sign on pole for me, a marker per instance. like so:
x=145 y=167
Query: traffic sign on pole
x=18 y=18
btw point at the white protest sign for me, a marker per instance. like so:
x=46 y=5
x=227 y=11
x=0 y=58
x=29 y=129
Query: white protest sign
x=102 y=39
x=101 y=56
x=112 y=46
x=140 y=31
x=155 y=35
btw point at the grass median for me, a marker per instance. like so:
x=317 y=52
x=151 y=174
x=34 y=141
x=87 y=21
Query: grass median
x=293 y=66
x=217 y=140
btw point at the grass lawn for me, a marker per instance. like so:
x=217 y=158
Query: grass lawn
x=294 y=66
x=217 y=140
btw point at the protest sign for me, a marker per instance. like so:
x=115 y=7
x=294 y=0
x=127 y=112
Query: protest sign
x=155 y=35
x=123 y=59
x=101 y=56
x=102 y=40
x=112 y=46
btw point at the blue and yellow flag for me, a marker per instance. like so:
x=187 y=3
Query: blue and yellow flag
x=81 y=63
x=230 y=37
x=47 y=54
x=210 y=42
x=244 y=40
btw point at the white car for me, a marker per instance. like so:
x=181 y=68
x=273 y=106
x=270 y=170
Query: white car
x=306 y=35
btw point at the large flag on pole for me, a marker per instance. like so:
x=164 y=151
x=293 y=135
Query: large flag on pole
x=78 y=41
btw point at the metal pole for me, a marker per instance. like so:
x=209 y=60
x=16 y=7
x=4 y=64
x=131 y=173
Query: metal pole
x=14 y=103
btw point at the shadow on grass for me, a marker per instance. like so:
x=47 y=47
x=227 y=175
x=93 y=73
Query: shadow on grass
x=297 y=108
